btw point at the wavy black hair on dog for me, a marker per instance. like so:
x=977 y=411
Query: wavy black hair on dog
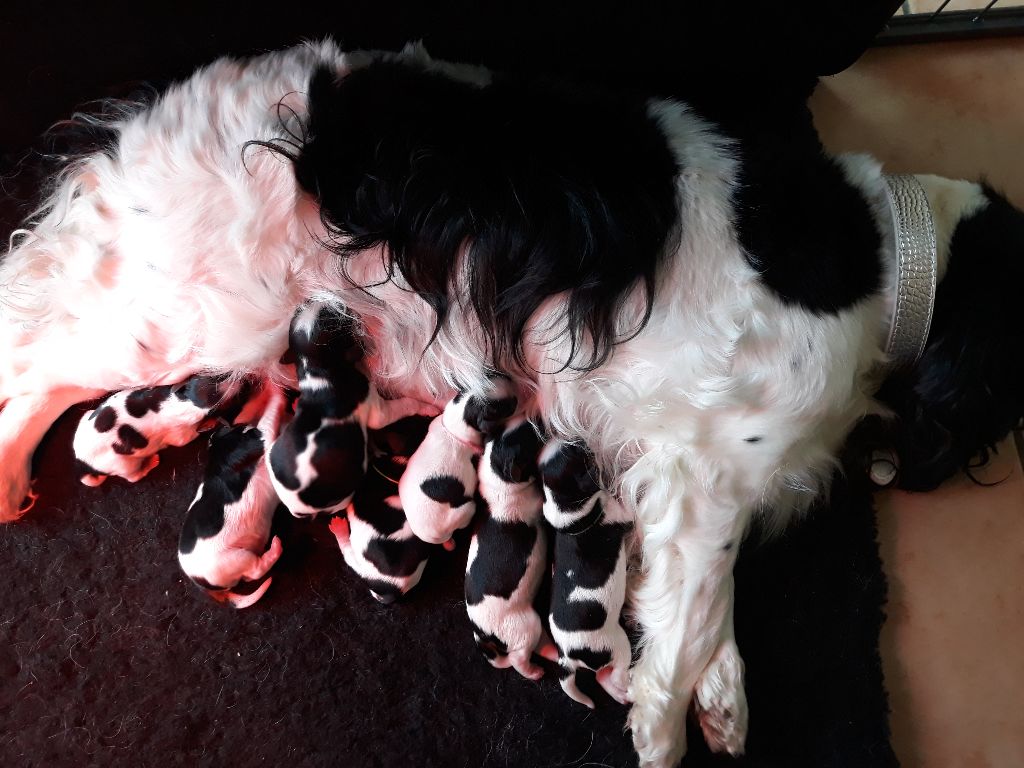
x=967 y=392
x=552 y=188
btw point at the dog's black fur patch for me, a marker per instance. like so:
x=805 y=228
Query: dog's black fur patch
x=557 y=190
x=339 y=463
x=503 y=551
x=104 y=418
x=514 y=454
x=445 y=489
x=141 y=401
x=231 y=462
x=586 y=560
x=569 y=476
x=809 y=233
x=966 y=393
x=129 y=440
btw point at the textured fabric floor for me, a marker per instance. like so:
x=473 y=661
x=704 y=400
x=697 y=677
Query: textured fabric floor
x=108 y=656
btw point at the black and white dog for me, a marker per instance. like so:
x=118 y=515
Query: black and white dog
x=225 y=538
x=705 y=310
x=123 y=434
x=508 y=552
x=320 y=458
x=591 y=555
x=374 y=535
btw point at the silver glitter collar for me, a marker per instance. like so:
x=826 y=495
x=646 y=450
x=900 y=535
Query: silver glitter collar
x=917 y=265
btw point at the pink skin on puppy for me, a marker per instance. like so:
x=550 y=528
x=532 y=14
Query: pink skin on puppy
x=124 y=433
x=439 y=482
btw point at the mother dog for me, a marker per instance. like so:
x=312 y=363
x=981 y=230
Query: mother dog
x=654 y=287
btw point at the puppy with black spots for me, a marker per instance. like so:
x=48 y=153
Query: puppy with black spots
x=320 y=458
x=374 y=535
x=123 y=435
x=508 y=552
x=439 y=483
x=224 y=539
x=592 y=531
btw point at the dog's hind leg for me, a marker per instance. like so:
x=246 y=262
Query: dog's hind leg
x=684 y=603
x=720 y=699
x=23 y=422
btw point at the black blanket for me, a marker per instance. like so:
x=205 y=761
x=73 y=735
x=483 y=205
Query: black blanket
x=110 y=656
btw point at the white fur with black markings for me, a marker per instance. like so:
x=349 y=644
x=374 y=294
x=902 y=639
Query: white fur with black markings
x=374 y=535
x=439 y=483
x=320 y=458
x=508 y=552
x=123 y=434
x=591 y=553
x=224 y=539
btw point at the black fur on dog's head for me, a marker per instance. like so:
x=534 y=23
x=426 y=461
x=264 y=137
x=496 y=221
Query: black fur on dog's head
x=967 y=391
x=556 y=190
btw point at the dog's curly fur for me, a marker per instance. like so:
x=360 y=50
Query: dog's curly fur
x=609 y=255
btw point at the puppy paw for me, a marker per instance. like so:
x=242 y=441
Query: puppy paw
x=721 y=702
x=615 y=682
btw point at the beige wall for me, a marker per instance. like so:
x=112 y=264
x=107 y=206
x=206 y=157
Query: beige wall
x=953 y=645
x=955 y=109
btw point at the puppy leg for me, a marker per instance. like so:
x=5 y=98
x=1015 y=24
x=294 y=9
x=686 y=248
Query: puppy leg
x=683 y=603
x=720 y=698
x=23 y=422
x=265 y=561
x=385 y=412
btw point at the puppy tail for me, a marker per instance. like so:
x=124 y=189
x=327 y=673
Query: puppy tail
x=241 y=601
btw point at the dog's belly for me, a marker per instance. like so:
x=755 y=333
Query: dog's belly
x=172 y=253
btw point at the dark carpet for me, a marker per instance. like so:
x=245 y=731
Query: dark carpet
x=108 y=656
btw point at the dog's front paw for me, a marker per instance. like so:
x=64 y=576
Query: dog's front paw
x=16 y=495
x=658 y=726
x=721 y=702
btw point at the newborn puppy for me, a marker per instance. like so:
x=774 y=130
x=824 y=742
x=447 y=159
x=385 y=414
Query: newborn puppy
x=224 y=537
x=320 y=457
x=123 y=434
x=438 y=485
x=374 y=537
x=589 y=574
x=508 y=552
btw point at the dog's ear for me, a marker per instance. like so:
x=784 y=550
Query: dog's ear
x=320 y=97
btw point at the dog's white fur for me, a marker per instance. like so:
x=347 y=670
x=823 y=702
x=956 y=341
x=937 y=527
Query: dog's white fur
x=168 y=257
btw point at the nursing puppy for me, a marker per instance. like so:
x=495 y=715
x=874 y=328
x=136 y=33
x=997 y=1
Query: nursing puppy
x=374 y=535
x=224 y=539
x=591 y=553
x=124 y=433
x=320 y=458
x=438 y=486
x=508 y=552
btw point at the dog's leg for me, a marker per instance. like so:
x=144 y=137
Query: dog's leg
x=385 y=412
x=264 y=562
x=720 y=699
x=684 y=602
x=23 y=422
